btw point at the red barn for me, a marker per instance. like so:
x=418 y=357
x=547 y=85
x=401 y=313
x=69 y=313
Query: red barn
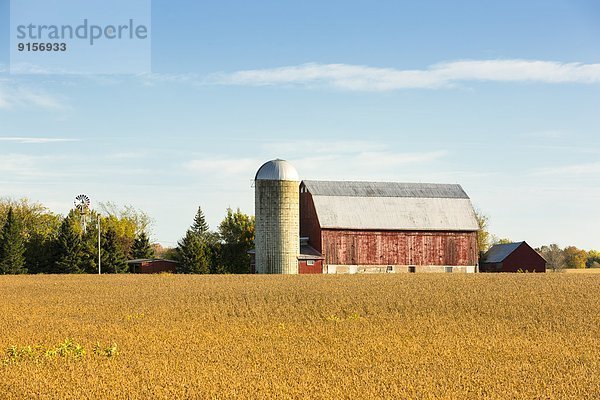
x=512 y=257
x=389 y=226
x=152 y=266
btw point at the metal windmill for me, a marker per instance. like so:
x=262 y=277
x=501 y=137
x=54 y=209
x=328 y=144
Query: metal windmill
x=82 y=204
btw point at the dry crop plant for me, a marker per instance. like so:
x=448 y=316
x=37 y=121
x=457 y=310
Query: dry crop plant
x=355 y=336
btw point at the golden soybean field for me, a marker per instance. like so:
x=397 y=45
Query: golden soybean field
x=429 y=336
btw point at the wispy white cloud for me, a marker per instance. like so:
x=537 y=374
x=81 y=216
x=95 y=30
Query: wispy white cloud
x=30 y=166
x=35 y=140
x=17 y=164
x=22 y=167
x=446 y=74
x=16 y=92
x=375 y=160
x=12 y=95
x=572 y=170
x=32 y=69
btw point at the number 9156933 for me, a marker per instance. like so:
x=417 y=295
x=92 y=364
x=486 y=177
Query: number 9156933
x=42 y=46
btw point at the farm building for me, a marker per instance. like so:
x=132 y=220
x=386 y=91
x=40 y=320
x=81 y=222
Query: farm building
x=389 y=226
x=152 y=266
x=512 y=257
x=353 y=227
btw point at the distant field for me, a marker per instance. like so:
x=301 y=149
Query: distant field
x=400 y=336
x=582 y=271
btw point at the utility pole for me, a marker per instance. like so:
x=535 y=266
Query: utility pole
x=99 y=250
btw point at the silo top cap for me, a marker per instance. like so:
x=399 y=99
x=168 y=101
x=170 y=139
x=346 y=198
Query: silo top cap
x=277 y=170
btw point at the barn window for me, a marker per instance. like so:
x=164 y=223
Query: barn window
x=389 y=269
x=412 y=268
x=448 y=269
x=310 y=262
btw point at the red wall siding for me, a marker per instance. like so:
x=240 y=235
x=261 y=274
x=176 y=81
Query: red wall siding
x=154 y=267
x=524 y=258
x=350 y=247
x=309 y=223
x=304 y=268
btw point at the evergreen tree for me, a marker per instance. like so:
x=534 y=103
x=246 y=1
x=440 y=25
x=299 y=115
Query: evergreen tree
x=216 y=258
x=39 y=253
x=113 y=259
x=12 y=247
x=200 y=226
x=141 y=247
x=69 y=248
x=193 y=254
x=89 y=254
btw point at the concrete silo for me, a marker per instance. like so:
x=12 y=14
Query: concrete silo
x=277 y=211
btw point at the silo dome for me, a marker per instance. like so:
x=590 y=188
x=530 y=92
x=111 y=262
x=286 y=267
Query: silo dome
x=277 y=170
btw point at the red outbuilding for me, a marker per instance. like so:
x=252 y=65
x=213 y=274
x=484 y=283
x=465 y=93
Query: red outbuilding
x=310 y=261
x=152 y=266
x=512 y=257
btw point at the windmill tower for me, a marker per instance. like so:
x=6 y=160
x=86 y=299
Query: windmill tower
x=82 y=204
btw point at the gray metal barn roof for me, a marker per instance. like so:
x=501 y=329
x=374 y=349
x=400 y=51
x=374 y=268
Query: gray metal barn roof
x=385 y=189
x=499 y=252
x=392 y=206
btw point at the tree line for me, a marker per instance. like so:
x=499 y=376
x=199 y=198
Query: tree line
x=35 y=240
x=569 y=257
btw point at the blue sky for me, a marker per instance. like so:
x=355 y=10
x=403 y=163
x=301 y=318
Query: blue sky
x=502 y=98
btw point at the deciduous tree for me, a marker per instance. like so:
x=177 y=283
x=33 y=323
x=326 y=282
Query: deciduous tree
x=593 y=259
x=237 y=236
x=554 y=256
x=483 y=235
x=574 y=257
x=127 y=222
x=497 y=240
